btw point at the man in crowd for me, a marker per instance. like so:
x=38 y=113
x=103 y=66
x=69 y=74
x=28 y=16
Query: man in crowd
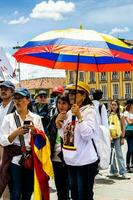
x=6 y=93
x=42 y=108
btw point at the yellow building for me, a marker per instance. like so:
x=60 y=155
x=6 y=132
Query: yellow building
x=115 y=85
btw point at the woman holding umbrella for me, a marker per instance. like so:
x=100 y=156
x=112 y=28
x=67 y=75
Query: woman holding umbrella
x=78 y=142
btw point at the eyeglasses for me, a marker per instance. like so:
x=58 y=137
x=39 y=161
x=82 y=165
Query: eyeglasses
x=73 y=92
x=42 y=96
x=20 y=98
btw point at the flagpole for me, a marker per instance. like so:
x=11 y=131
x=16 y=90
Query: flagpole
x=19 y=73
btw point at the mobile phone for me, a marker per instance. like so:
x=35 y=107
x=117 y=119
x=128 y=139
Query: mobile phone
x=27 y=122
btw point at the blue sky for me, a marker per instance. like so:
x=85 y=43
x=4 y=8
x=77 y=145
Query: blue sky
x=22 y=20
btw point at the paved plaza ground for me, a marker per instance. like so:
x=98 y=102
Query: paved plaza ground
x=118 y=190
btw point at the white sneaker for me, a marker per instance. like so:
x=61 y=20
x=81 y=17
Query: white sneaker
x=124 y=176
x=114 y=175
x=101 y=177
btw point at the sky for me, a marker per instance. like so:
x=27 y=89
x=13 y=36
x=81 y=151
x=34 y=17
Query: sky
x=22 y=20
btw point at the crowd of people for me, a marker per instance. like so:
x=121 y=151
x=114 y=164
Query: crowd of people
x=71 y=124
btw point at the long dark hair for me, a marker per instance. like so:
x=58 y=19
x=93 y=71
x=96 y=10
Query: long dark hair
x=87 y=100
x=64 y=97
x=118 y=109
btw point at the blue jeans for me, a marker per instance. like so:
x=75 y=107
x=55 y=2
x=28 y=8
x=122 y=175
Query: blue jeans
x=21 y=183
x=119 y=157
x=81 y=180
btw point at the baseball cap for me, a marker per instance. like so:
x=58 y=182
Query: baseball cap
x=22 y=91
x=58 y=89
x=7 y=84
x=80 y=86
x=42 y=92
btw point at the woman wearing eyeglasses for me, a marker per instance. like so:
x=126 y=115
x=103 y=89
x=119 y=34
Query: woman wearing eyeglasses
x=21 y=180
x=78 y=137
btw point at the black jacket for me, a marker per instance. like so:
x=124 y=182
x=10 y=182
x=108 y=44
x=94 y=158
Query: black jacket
x=52 y=133
x=44 y=113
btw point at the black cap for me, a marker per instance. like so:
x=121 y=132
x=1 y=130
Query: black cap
x=129 y=101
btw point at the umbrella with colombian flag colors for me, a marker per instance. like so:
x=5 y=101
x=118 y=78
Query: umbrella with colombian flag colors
x=67 y=49
x=77 y=49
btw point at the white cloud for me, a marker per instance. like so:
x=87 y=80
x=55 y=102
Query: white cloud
x=52 y=10
x=119 y=30
x=21 y=20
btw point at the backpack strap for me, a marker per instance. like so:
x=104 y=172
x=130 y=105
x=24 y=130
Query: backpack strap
x=95 y=149
x=11 y=108
x=100 y=108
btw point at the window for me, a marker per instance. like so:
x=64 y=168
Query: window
x=127 y=75
x=104 y=90
x=92 y=77
x=103 y=76
x=81 y=76
x=127 y=90
x=71 y=77
x=115 y=76
x=115 y=91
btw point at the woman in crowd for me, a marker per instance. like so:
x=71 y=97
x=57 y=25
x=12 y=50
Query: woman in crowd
x=59 y=166
x=78 y=142
x=21 y=179
x=128 y=114
x=116 y=140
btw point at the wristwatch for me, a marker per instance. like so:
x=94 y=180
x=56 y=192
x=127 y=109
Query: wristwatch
x=80 y=120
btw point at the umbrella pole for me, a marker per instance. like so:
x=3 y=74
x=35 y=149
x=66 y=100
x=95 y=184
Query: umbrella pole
x=77 y=70
x=77 y=74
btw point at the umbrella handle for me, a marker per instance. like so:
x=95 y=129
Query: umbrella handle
x=77 y=74
x=73 y=120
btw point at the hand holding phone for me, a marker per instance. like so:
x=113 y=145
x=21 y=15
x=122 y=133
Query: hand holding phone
x=26 y=125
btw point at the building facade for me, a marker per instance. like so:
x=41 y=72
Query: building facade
x=47 y=84
x=115 y=85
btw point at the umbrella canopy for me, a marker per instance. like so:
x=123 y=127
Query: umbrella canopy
x=63 y=49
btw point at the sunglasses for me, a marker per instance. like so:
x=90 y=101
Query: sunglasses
x=42 y=96
x=73 y=92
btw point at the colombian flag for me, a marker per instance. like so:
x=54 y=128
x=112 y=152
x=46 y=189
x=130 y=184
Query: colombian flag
x=42 y=165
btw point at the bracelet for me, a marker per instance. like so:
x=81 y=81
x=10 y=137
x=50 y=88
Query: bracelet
x=80 y=120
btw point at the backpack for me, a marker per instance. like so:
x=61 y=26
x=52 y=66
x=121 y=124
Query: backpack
x=102 y=145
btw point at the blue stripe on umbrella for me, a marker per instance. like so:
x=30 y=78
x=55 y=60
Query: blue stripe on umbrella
x=83 y=59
